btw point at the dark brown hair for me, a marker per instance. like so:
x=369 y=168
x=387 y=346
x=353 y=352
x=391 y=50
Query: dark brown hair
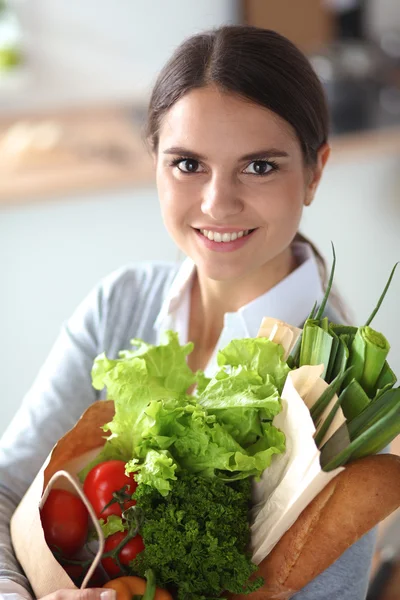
x=259 y=65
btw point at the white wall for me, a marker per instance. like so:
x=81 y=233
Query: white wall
x=50 y=257
x=84 y=51
x=358 y=208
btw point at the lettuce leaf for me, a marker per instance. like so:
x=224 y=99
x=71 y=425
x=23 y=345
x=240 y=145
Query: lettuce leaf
x=257 y=354
x=160 y=431
x=134 y=380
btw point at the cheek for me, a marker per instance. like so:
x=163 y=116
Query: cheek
x=175 y=201
x=281 y=204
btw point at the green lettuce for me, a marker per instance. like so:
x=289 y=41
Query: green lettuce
x=225 y=431
x=257 y=354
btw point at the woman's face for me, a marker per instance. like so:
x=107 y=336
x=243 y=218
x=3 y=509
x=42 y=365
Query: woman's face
x=232 y=182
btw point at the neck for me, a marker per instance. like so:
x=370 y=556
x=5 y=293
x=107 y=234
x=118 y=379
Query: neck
x=212 y=299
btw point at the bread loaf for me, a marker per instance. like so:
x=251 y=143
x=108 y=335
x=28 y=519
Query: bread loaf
x=361 y=496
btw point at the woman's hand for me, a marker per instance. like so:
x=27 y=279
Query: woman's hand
x=86 y=594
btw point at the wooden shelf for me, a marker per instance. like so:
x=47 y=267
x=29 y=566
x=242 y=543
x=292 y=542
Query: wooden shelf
x=73 y=151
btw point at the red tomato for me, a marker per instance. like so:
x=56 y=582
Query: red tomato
x=128 y=552
x=100 y=483
x=65 y=522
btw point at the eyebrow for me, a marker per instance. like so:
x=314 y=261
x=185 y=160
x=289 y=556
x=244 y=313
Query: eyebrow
x=263 y=153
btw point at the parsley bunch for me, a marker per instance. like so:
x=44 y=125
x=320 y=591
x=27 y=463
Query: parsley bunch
x=196 y=538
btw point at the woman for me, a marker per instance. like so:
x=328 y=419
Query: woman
x=238 y=130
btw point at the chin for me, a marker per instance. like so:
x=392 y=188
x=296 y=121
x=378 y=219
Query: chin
x=220 y=270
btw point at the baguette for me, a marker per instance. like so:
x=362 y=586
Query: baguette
x=361 y=496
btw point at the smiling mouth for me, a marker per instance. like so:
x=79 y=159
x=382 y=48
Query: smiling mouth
x=216 y=236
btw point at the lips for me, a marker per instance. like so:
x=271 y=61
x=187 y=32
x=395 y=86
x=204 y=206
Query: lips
x=224 y=241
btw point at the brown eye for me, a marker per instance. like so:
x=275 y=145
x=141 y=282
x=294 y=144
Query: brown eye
x=259 y=167
x=189 y=165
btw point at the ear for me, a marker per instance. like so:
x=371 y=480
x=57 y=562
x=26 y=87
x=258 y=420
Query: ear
x=315 y=173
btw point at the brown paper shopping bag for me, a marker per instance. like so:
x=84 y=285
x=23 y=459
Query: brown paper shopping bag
x=69 y=455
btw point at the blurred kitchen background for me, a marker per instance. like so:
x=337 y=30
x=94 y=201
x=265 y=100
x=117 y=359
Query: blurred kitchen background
x=77 y=194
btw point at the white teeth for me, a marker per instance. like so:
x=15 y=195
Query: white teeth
x=224 y=237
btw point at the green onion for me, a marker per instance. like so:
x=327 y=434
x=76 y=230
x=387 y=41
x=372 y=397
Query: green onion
x=386 y=380
x=319 y=436
x=377 y=307
x=328 y=288
x=339 y=441
x=341 y=358
x=375 y=410
x=293 y=360
x=344 y=329
x=373 y=440
x=368 y=355
x=320 y=405
x=332 y=359
x=316 y=346
x=354 y=400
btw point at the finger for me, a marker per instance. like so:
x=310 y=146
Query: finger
x=86 y=594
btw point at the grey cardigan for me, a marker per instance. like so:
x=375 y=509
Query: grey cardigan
x=122 y=306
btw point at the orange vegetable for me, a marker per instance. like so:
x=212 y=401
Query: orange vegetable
x=128 y=586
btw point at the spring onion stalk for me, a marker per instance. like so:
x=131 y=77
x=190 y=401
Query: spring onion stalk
x=377 y=307
x=338 y=442
x=344 y=329
x=368 y=355
x=372 y=440
x=316 y=345
x=354 y=400
x=328 y=288
x=386 y=380
x=332 y=358
x=319 y=436
x=375 y=410
x=293 y=360
x=341 y=358
x=320 y=405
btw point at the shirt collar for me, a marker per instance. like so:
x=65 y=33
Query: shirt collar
x=291 y=300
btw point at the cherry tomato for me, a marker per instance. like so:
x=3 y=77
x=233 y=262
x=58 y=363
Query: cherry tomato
x=128 y=552
x=65 y=522
x=100 y=483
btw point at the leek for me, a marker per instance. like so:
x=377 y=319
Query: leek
x=377 y=307
x=320 y=405
x=375 y=410
x=341 y=358
x=386 y=380
x=354 y=400
x=328 y=287
x=339 y=441
x=368 y=355
x=319 y=436
x=374 y=439
x=316 y=345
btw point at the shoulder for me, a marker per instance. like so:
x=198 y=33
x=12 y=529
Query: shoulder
x=138 y=278
x=129 y=300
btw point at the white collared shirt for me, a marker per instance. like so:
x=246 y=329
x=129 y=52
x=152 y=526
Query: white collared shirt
x=291 y=300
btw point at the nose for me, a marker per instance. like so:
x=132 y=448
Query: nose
x=220 y=199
